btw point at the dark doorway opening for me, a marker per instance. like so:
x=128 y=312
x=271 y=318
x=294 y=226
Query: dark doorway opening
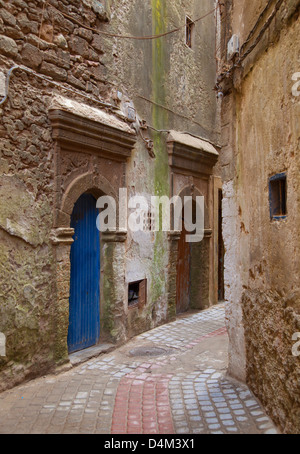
x=221 y=251
x=183 y=273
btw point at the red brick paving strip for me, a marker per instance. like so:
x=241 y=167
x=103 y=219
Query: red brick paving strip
x=142 y=405
x=218 y=332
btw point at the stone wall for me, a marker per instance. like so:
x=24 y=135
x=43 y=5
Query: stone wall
x=27 y=265
x=260 y=138
x=73 y=50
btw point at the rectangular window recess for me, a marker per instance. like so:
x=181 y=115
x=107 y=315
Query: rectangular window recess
x=137 y=294
x=189 y=32
x=278 y=196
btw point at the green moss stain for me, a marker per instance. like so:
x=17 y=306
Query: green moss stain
x=108 y=292
x=159 y=56
x=160 y=121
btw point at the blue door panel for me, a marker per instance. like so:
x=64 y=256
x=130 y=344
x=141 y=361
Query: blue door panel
x=84 y=315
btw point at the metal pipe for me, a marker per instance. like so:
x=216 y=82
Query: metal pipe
x=9 y=73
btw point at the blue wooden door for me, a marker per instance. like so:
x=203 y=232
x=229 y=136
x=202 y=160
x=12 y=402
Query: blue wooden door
x=84 y=315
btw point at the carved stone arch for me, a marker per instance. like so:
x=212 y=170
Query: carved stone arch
x=193 y=191
x=190 y=190
x=97 y=185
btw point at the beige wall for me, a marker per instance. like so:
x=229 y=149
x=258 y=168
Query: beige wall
x=261 y=130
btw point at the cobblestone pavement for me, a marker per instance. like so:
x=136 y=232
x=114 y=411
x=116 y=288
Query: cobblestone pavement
x=171 y=380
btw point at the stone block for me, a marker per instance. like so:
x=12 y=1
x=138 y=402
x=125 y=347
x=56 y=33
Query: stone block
x=99 y=8
x=97 y=43
x=26 y=25
x=226 y=156
x=228 y=190
x=46 y=33
x=79 y=46
x=51 y=70
x=76 y=82
x=14 y=32
x=85 y=34
x=58 y=58
x=60 y=41
x=8 y=46
x=31 y=56
x=7 y=17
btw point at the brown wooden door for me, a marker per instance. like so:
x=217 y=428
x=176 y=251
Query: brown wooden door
x=183 y=274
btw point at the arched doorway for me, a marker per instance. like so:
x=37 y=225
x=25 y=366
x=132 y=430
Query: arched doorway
x=84 y=307
x=193 y=259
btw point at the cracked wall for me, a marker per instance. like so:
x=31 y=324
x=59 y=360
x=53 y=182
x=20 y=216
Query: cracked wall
x=59 y=41
x=260 y=129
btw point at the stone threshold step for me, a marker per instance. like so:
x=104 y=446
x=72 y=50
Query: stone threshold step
x=92 y=352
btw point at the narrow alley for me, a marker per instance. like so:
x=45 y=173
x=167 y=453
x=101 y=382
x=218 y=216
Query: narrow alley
x=171 y=380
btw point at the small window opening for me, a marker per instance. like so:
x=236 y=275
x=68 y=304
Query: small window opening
x=189 y=27
x=137 y=293
x=278 y=196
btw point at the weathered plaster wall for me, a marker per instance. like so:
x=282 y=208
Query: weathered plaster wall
x=156 y=74
x=245 y=15
x=271 y=299
x=166 y=71
x=260 y=128
x=26 y=308
x=48 y=39
x=31 y=284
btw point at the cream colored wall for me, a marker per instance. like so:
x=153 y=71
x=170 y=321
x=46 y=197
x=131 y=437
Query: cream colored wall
x=261 y=138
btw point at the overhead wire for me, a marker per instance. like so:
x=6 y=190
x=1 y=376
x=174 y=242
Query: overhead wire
x=115 y=35
x=90 y=98
x=52 y=82
x=171 y=111
x=103 y=104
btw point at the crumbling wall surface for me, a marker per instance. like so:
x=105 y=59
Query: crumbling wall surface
x=270 y=114
x=37 y=37
x=57 y=48
x=245 y=16
x=48 y=38
x=263 y=255
x=26 y=277
x=171 y=86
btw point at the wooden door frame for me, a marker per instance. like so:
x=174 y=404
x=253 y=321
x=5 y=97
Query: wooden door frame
x=178 y=294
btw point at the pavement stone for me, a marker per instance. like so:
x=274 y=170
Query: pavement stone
x=185 y=390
